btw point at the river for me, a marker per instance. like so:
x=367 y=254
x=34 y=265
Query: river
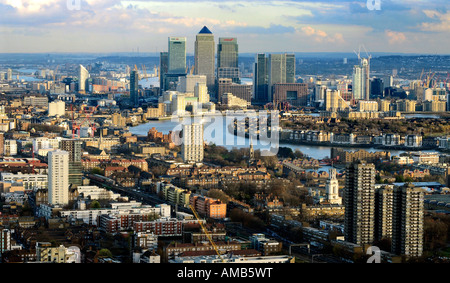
x=229 y=141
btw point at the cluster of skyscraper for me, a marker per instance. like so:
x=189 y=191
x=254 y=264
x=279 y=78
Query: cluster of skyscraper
x=268 y=71
x=173 y=62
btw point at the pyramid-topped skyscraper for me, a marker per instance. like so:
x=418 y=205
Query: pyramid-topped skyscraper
x=205 y=57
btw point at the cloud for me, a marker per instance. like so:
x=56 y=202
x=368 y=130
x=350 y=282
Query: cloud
x=442 y=24
x=320 y=35
x=395 y=37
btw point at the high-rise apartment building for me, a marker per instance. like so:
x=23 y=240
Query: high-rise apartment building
x=134 y=88
x=83 y=75
x=359 y=202
x=361 y=80
x=205 y=58
x=408 y=221
x=56 y=108
x=227 y=59
x=192 y=146
x=334 y=102
x=58 y=177
x=73 y=147
x=383 y=212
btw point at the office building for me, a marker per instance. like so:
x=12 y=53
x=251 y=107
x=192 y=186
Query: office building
x=360 y=80
x=281 y=69
x=58 y=177
x=226 y=85
x=408 y=221
x=376 y=87
x=163 y=70
x=192 y=146
x=359 y=202
x=187 y=83
x=177 y=55
x=83 y=75
x=260 y=79
x=205 y=58
x=8 y=75
x=134 y=88
x=293 y=93
x=201 y=92
x=227 y=59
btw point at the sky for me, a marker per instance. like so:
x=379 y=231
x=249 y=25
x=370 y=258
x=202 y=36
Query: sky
x=104 y=26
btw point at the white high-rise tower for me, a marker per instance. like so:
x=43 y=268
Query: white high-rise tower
x=58 y=177
x=360 y=81
x=192 y=147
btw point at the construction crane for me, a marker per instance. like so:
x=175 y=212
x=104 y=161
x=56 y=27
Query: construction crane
x=206 y=233
x=144 y=72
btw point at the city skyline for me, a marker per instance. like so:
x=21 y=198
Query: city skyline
x=272 y=26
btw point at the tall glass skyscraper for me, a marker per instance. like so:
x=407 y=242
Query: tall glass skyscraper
x=205 y=58
x=163 y=70
x=260 y=79
x=227 y=59
x=281 y=69
x=134 y=88
x=177 y=55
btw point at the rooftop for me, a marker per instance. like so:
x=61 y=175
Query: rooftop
x=205 y=30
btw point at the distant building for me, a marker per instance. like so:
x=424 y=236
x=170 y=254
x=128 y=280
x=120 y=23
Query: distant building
x=83 y=75
x=360 y=80
x=134 y=88
x=205 y=56
x=294 y=93
x=227 y=59
x=56 y=108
